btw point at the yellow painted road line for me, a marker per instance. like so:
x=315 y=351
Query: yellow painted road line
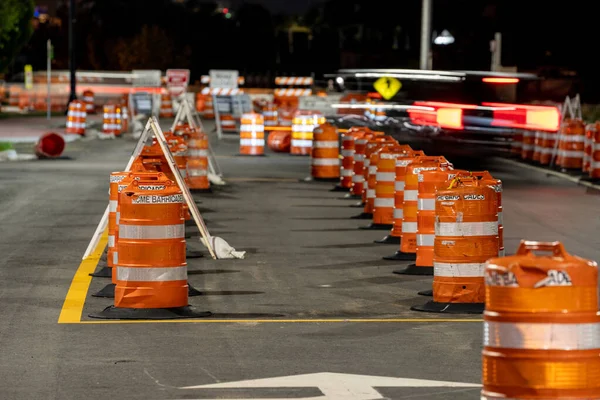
x=72 y=308
x=284 y=321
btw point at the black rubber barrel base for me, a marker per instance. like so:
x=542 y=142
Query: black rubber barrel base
x=209 y=190
x=389 y=239
x=107 y=292
x=351 y=197
x=312 y=178
x=113 y=312
x=190 y=223
x=412 y=269
x=363 y=215
x=192 y=291
x=451 y=308
x=193 y=254
x=103 y=272
x=250 y=155
x=357 y=205
x=377 y=227
x=401 y=256
x=427 y=293
x=338 y=188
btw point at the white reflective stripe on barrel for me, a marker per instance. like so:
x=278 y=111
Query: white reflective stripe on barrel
x=426 y=204
x=111 y=240
x=152 y=231
x=347 y=153
x=411 y=195
x=347 y=172
x=398 y=213
x=359 y=157
x=409 y=227
x=252 y=142
x=372 y=169
x=541 y=336
x=379 y=202
x=466 y=228
x=370 y=193
x=157 y=274
x=252 y=128
x=197 y=153
x=325 y=162
x=197 y=172
x=112 y=206
x=358 y=178
x=385 y=176
x=325 y=144
x=399 y=185
x=425 y=240
x=301 y=143
x=456 y=270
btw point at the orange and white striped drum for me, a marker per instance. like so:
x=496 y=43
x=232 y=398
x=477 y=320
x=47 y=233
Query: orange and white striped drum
x=528 y=145
x=110 y=120
x=227 y=122
x=541 y=333
x=370 y=173
x=466 y=236
x=252 y=135
x=548 y=144
x=76 y=118
x=152 y=269
x=595 y=158
x=358 y=163
x=347 y=152
x=590 y=132
x=571 y=144
x=270 y=115
x=303 y=126
x=209 y=107
x=408 y=243
x=325 y=156
x=429 y=183
x=385 y=184
x=197 y=162
x=166 y=106
x=516 y=145
x=88 y=99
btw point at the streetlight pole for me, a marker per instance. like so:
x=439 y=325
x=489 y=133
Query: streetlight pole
x=425 y=33
x=72 y=66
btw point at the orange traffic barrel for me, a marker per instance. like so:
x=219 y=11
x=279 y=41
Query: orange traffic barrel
x=516 y=145
x=151 y=274
x=594 y=172
x=370 y=173
x=303 y=126
x=430 y=182
x=88 y=99
x=383 y=203
x=110 y=120
x=325 y=155
x=571 y=145
x=76 y=117
x=541 y=329
x=347 y=154
x=279 y=141
x=252 y=135
x=408 y=241
x=590 y=131
x=358 y=163
x=50 y=145
x=528 y=145
x=197 y=162
x=466 y=236
x=166 y=106
x=399 y=185
x=122 y=118
x=270 y=114
x=209 y=108
x=228 y=122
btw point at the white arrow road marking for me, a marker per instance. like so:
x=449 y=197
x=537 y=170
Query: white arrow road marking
x=334 y=386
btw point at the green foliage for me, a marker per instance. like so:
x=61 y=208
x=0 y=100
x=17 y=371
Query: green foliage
x=15 y=28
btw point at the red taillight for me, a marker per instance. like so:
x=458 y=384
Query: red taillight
x=500 y=80
x=450 y=118
x=524 y=116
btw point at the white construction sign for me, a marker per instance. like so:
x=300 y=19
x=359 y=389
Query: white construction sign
x=146 y=78
x=223 y=79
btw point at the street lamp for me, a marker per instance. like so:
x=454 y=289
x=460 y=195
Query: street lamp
x=425 y=34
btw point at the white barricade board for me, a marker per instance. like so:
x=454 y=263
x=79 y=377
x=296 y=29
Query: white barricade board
x=320 y=104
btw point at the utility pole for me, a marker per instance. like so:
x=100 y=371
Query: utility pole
x=425 y=34
x=72 y=65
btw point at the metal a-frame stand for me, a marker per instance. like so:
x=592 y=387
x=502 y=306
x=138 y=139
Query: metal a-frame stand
x=152 y=129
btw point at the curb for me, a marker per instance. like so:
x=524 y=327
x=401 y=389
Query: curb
x=575 y=179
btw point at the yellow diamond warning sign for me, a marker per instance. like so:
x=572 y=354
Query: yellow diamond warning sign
x=387 y=87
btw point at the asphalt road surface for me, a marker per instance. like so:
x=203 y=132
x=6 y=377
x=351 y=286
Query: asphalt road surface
x=312 y=298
